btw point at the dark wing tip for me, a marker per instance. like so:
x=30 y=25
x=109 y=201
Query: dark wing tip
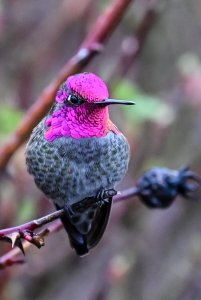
x=78 y=241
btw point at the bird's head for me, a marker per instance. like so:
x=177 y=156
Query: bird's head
x=82 y=108
x=86 y=88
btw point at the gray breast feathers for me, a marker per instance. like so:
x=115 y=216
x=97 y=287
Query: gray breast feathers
x=68 y=169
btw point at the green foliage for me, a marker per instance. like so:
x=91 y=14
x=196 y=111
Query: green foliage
x=9 y=118
x=148 y=108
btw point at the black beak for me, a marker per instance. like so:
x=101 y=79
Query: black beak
x=114 y=101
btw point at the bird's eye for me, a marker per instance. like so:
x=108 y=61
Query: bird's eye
x=75 y=100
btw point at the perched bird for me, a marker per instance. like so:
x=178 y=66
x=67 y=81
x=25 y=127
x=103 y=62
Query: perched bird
x=75 y=153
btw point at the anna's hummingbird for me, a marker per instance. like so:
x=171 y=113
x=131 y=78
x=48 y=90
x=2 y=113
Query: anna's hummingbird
x=76 y=152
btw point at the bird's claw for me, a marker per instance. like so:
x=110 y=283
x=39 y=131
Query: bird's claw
x=103 y=196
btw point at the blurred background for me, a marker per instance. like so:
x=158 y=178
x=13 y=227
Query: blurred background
x=153 y=58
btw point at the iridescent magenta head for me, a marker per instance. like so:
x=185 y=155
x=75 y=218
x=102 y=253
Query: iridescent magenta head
x=87 y=86
x=82 y=109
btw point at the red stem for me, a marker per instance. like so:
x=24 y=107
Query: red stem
x=34 y=224
x=8 y=259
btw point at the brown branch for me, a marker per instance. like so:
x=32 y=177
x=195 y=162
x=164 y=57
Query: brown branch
x=140 y=36
x=92 y=44
x=133 y=44
x=10 y=259
x=34 y=224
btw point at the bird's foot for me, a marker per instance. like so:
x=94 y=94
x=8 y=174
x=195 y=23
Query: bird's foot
x=103 y=196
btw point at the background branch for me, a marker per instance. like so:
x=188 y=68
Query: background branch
x=133 y=44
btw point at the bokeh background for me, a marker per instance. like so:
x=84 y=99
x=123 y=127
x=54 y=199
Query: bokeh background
x=144 y=254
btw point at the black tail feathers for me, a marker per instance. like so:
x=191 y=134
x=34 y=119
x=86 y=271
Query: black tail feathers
x=78 y=241
x=82 y=243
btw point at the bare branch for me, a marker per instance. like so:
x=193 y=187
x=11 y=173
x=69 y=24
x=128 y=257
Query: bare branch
x=10 y=259
x=133 y=44
x=34 y=224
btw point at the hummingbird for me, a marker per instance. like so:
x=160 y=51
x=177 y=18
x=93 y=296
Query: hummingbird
x=76 y=152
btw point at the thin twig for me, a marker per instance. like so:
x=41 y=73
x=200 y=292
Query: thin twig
x=34 y=224
x=140 y=36
x=133 y=44
x=9 y=259
x=91 y=45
